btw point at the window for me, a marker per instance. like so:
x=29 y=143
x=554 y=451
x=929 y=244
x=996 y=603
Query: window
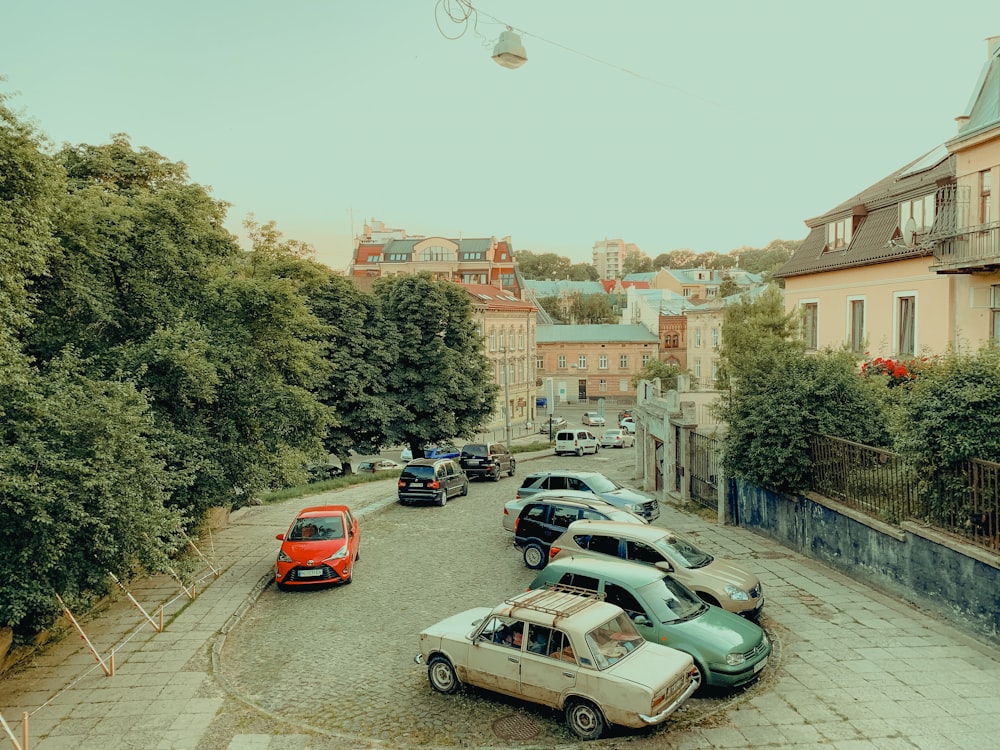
x=493 y=341
x=602 y=385
x=697 y=337
x=715 y=338
x=641 y=552
x=473 y=278
x=856 y=325
x=623 y=361
x=617 y=595
x=623 y=385
x=373 y=258
x=921 y=210
x=906 y=324
x=562 y=362
x=697 y=368
x=810 y=324
x=838 y=234
x=602 y=362
x=995 y=304
x=506 y=279
x=605 y=545
x=398 y=257
x=688 y=291
x=985 y=201
x=715 y=370
x=581 y=361
x=436 y=252
x=539 y=363
x=646 y=357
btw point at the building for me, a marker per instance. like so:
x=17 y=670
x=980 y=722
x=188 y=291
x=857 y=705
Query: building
x=911 y=265
x=381 y=252
x=609 y=257
x=509 y=329
x=588 y=362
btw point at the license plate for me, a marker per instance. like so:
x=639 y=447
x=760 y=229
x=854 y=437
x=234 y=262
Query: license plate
x=416 y=484
x=310 y=573
x=759 y=665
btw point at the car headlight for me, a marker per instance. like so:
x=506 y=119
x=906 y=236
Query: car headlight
x=633 y=508
x=282 y=557
x=339 y=554
x=737 y=594
x=735 y=659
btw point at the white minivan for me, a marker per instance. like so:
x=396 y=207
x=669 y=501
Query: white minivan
x=576 y=441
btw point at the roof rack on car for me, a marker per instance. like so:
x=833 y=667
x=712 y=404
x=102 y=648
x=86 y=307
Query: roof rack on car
x=559 y=599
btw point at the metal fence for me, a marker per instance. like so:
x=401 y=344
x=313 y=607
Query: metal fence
x=706 y=452
x=878 y=482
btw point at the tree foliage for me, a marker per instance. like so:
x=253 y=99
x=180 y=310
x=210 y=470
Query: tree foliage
x=553 y=267
x=655 y=368
x=590 y=309
x=778 y=395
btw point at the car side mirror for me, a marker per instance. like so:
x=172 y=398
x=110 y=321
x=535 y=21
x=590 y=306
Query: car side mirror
x=280 y=537
x=642 y=620
x=665 y=566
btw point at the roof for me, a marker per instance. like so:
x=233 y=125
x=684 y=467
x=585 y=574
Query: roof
x=596 y=332
x=983 y=112
x=555 y=288
x=646 y=532
x=635 y=574
x=495 y=298
x=875 y=213
x=550 y=605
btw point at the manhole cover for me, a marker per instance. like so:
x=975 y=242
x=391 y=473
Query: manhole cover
x=515 y=727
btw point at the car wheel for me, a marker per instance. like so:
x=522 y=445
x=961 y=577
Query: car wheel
x=534 y=556
x=281 y=586
x=442 y=497
x=465 y=489
x=349 y=579
x=579 y=451
x=442 y=676
x=513 y=468
x=357 y=555
x=700 y=676
x=496 y=473
x=584 y=719
x=597 y=449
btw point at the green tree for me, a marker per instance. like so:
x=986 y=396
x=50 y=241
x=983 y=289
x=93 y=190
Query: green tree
x=582 y=272
x=777 y=395
x=441 y=385
x=590 y=308
x=553 y=305
x=542 y=266
x=636 y=262
x=655 y=368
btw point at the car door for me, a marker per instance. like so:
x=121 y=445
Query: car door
x=452 y=480
x=494 y=663
x=560 y=517
x=548 y=665
x=643 y=553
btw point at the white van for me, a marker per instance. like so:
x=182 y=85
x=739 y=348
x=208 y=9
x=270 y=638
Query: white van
x=576 y=441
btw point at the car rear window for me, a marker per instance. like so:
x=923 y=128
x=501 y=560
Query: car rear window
x=418 y=472
x=475 y=451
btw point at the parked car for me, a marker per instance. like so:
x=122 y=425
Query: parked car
x=512 y=508
x=728 y=650
x=604 y=487
x=593 y=419
x=617 y=439
x=441 y=451
x=487 y=460
x=715 y=580
x=622 y=414
x=576 y=441
x=541 y=522
x=551 y=425
x=321 y=546
x=372 y=467
x=628 y=424
x=431 y=479
x=406 y=454
x=572 y=653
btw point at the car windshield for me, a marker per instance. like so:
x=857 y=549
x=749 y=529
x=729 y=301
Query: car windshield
x=418 y=472
x=671 y=601
x=476 y=451
x=602 y=484
x=613 y=641
x=317 y=529
x=683 y=551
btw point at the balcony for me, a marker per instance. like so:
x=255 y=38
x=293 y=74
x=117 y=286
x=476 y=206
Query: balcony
x=968 y=250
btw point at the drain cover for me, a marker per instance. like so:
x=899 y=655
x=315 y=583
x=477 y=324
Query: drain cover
x=515 y=727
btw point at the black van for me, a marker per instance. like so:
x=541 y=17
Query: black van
x=433 y=479
x=487 y=460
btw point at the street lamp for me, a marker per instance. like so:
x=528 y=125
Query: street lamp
x=506 y=396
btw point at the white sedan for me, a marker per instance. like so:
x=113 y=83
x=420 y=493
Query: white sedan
x=619 y=438
x=593 y=418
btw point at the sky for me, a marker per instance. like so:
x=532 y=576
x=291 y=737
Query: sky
x=709 y=126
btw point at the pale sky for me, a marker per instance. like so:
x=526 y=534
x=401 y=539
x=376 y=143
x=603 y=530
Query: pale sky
x=702 y=125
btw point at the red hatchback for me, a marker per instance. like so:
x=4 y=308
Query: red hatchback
x=321 y=546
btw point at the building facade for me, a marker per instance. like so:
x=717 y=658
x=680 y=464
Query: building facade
x=609 y=257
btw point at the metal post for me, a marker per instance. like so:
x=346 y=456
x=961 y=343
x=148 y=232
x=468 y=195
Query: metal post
x=506 y=397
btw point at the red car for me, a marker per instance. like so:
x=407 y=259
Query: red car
x=321 y=546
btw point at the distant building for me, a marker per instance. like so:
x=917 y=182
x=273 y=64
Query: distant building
x=588 y=362
x=388 y=252
x=609 y=257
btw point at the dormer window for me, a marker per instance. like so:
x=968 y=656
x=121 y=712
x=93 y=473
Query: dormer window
x=838 y=234
x=921 y=210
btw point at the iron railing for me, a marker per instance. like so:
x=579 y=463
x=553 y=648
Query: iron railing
x=705 y=455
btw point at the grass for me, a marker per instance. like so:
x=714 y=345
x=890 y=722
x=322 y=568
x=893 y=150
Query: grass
x=327 y=485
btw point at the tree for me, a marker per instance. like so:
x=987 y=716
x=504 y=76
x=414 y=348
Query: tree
x=542 y=266
x=655 y=368
x=590 y=308
x=441 y=385
x=636 y=262
x=553 y=305
x=582 y=272
x=778 y=395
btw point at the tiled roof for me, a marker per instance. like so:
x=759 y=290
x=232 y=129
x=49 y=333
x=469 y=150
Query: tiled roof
x=594 y=333
x=871 y=241
x=493 y=298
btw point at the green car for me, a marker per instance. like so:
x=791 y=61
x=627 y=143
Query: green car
x=728 y=650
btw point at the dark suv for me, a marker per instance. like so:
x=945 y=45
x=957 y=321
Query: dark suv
x=541 y=522
x=433 y=479
x=605 y=488
x=487 y=460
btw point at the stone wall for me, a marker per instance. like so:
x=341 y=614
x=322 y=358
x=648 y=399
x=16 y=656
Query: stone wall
x=932 y=570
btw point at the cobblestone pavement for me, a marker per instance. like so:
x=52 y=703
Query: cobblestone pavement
x=332 y=668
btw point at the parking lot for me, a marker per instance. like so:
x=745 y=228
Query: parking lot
x=418 y=565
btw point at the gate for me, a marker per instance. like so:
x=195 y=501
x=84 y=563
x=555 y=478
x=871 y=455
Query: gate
x=705 y=456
